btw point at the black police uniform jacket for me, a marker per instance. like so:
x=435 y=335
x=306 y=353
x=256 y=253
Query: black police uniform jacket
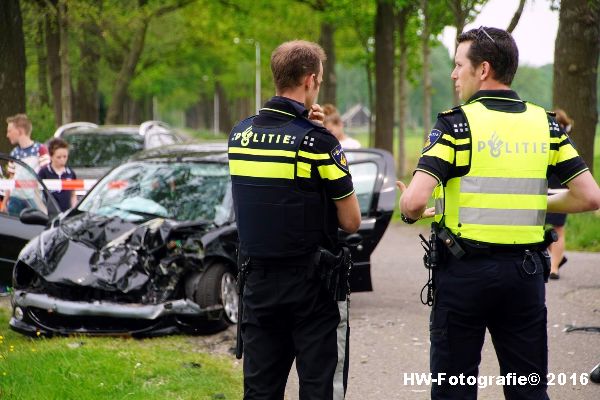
x=286 y=171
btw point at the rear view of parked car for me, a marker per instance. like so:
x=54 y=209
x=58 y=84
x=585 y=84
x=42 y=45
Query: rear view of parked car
x=96 y=149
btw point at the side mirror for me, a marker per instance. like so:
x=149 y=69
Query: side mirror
x=31 y=216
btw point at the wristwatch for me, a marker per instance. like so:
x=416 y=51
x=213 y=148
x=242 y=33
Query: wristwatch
x=407 y=220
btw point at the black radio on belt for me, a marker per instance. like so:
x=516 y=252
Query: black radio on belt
x=449 y=240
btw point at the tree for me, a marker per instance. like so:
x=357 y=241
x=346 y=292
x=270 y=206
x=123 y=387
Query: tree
x=516 y=17
x=89 y=40
x=404 y=13
x=126 y=73
x=576 y=53
x=12 y=64
x=328 y=91
x=435 y=15
x=65 y=68
x=384 y=76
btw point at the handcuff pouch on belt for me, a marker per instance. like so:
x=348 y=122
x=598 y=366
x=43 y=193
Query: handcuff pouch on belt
x=334 y=271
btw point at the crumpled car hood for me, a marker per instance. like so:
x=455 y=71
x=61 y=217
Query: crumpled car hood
x=114 y=255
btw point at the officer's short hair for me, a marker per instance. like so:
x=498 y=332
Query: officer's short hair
x=292 y=61
x=495 y=46
x=20 y=121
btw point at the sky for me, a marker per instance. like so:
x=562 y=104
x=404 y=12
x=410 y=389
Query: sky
x=535 y=33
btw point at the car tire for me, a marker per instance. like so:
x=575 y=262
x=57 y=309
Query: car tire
x=218 y=286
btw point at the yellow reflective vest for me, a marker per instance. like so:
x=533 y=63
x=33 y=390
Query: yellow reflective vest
x=503 y=197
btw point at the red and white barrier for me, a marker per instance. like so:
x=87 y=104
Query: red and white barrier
x=51 y=184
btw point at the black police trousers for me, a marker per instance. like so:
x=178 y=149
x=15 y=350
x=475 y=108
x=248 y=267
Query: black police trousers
x=289 y=314
x=504 y=293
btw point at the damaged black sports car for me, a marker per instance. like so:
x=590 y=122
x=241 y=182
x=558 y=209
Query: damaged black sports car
x=151 y=249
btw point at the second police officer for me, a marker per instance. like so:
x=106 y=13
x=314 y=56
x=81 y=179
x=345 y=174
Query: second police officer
x=487 y=161
x=291 y=191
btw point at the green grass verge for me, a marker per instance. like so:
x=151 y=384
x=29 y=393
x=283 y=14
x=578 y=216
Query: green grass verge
x=89 y=368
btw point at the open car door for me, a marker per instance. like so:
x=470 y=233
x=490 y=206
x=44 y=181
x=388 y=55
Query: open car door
x=374 y=177
x=30 y=194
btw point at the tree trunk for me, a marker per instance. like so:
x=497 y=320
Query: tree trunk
x=87 y=83
x=576 y=53
x=225 y=122
x=126 y=73
x=426 y=69
x=52 y=51
x=516 y=17
x=402 y=21
x=328 y=89
x=384 y=76
x=369 y=71
x=192 y=117
x=12 y=65
x=65 y=69
x=42 y=60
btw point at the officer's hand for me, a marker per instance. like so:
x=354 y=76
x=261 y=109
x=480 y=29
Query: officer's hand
x=316 y=114
x=428 y=213
x=401 y=186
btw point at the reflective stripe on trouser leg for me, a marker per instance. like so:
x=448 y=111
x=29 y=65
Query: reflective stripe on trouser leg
x=340 y=376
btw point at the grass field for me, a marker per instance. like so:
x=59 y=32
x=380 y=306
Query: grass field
x=112 y=368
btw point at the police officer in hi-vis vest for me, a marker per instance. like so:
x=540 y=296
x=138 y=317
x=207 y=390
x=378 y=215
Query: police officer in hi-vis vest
x=486 y=163
x=292 y=191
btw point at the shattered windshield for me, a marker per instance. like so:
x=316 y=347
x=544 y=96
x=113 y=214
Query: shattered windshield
x=181 y=191
x=89 y=149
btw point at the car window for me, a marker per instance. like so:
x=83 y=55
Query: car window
x=21 y=191
x=364 y=176
x=90 y=149
x=181 y=191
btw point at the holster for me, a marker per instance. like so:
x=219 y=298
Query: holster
x=243 y=265
x=334 y=271
x=546 y=263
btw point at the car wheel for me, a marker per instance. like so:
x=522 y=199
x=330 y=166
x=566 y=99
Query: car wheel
x=218 y=286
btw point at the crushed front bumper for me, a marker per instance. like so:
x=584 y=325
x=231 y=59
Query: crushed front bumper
x=43 y=314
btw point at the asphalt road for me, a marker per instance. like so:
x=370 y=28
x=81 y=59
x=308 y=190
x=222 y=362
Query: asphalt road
x=390 y=338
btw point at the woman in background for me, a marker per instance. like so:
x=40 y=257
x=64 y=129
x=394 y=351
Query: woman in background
x=333 y=123
x=557 y=249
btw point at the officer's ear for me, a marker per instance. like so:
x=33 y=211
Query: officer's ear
x=308 y=79
x=485 y=71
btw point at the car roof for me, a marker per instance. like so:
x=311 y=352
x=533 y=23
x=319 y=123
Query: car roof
x=102 y=130
x=88 y=127
x=213 y=152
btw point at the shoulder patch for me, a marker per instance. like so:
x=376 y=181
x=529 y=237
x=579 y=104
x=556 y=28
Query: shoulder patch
x=450 y=111
x=433 y=137
x=339 y=157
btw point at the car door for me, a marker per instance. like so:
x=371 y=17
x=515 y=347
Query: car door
x=14 y=234
x=374 y=178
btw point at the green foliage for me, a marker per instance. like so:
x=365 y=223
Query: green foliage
x=42 y=117
x=112 y=368
x=535 y=84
